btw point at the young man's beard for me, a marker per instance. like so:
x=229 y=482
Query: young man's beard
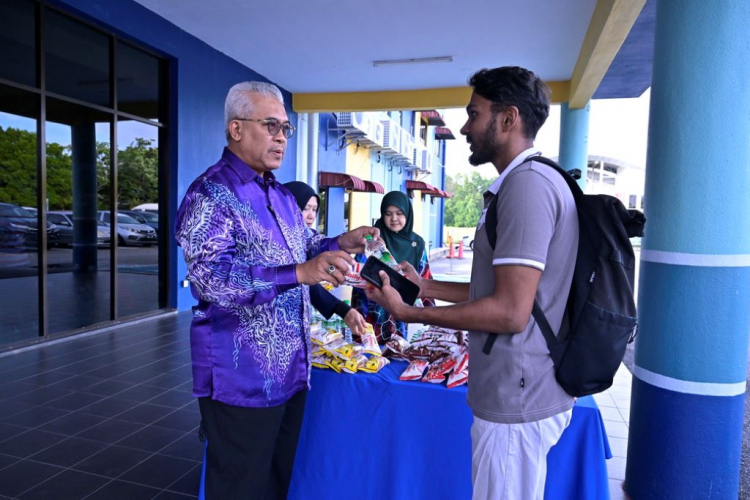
x=485 y=148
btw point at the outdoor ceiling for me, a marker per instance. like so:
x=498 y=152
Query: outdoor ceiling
x=327 y=46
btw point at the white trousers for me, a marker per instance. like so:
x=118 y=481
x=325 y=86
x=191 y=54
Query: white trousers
x=509 y=461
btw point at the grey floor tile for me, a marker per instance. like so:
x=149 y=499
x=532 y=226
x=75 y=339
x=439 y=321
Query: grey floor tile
x=68 y=484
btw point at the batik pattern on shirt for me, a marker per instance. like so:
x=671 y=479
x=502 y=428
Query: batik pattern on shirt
x=242 y=236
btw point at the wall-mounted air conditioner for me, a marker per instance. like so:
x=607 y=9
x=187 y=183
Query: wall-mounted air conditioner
x=391 y=137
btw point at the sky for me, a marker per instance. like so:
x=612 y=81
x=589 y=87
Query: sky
x=127 y=130
x=618 y=128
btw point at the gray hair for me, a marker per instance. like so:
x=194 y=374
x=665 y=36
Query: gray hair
x=239 y=103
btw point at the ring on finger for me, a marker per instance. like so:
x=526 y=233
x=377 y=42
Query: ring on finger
x=331 y=269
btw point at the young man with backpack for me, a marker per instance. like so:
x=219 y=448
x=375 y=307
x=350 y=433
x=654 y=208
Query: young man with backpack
x=520 y=410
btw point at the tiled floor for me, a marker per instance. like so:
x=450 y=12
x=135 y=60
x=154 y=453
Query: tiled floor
x=110 y=416
x=104 y=416
x=614 y=405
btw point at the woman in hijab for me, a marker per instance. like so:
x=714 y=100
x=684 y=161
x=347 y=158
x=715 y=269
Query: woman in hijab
x=321 y=299
x=396 y=229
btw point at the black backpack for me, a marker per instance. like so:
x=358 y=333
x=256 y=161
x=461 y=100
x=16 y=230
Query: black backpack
x=600 y=316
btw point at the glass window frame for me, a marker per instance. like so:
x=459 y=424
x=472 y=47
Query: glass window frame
x=162 y=124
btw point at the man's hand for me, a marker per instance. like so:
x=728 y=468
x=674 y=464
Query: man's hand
x=355 y=322
x=354 y=241
x=388 y=297
x=326 y=266
x=413 y=276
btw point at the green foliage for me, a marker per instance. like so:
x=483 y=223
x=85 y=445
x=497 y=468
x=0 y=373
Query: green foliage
x=137 y=172
x=465 y=208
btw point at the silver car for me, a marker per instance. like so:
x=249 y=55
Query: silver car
x=64 y=222
x=130 y=231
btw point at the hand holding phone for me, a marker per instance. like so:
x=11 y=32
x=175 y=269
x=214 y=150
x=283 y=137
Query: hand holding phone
x=408 y=290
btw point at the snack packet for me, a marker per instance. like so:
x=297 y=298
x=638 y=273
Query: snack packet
x=459 y=377
x=355 y=363
x=336 y=364
x=370 y=342
x=325 y=336
x=415 y=370
x=319 y=362
x=375 y=364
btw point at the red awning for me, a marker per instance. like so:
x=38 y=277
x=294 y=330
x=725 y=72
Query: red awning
x=433 y=118
x=444 y=134
x=374 y=187
x=337 y=179
x=424 y=187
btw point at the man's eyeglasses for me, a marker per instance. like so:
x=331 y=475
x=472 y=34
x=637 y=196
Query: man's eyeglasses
x=274 y=126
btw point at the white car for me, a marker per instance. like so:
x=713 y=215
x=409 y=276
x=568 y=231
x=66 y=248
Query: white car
x=130 y=231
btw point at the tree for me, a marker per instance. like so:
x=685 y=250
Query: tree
x=465 y=208
x=137 y=172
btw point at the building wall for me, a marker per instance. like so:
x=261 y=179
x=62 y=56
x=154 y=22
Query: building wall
x=201 y=77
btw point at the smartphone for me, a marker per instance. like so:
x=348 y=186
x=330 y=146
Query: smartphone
x=408 y=290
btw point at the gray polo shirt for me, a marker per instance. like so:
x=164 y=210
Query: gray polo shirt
x=537 y=226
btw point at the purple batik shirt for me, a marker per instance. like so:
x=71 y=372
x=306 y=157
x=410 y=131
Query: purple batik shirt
x=242 y=236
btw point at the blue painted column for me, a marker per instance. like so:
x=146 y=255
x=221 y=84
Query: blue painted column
x=574 y=139
x=335 y=212
x=690 y=369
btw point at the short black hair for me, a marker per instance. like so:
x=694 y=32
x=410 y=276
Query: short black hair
x=515 y=86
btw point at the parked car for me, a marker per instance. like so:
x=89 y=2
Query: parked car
x=144 y=217
x=147 y=207
x=19 y=230
x=64 y=221
x=129 y=230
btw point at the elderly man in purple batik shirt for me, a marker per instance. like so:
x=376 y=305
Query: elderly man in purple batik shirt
x=249 y=256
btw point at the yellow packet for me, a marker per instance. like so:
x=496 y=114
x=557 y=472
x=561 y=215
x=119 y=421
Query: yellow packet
x=375 y=364
x=335 y=363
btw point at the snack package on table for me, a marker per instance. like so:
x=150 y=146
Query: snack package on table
x=396 y=347
x=319 y=362
x=375 y=364
x=459 y=377
x=415 y=370
x=325 y=336
x=335 y=363
x=354 y=364
x=439 y=369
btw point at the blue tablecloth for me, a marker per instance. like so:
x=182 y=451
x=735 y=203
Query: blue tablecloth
x=372 y=436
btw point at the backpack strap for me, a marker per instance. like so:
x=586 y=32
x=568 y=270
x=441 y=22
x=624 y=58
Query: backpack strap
x=490 y=223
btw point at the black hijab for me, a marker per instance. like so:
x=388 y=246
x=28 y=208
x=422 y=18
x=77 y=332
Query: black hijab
x=302 y=193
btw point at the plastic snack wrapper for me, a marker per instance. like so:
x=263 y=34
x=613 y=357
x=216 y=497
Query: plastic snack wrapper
x=354 y=364
x=336 y=364
x=375 y=364
x=370 y=343
x=415 y=370
x=438 y=370
x=458 y=377
x=325 y=336
x=319 y=362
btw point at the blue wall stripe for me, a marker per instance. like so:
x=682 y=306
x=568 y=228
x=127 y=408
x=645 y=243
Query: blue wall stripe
x=683 y=446
x=694 y=322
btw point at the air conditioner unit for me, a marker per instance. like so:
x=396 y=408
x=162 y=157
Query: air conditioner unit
x=375 y=134
x=417 y=158
x=427 y=160
x=391 y=137
x=353 y=121
x=407 y=146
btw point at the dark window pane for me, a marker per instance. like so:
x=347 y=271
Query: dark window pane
x=137 y=82
x=76 y=59
x=19 y=263
x=138 y=185
x=78 y=278
x=18 y=41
